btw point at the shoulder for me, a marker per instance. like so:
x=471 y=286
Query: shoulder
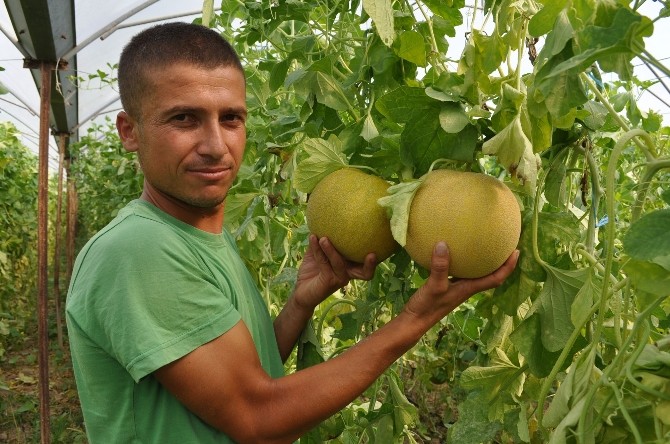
x=135 y=238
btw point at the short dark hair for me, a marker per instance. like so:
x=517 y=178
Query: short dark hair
x=166 y=44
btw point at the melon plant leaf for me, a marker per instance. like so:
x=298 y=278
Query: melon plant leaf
x=562 y=430
x=443 y=96
x=423 y=141
x=405 y=414
x=309 y=349
x=648 y=238
x=236 y=206
x=585 y=298
x=448 y=10
x=329 y=92
x=381 y=13
x=509 y=144
x=401 y=104
x=619 y=40
x=397 y=204
x=323 y=157
x=541 y=23
x=473 y=425
x=555 y=187
x=648 y=277
x=495 y=377
x=207 y=12
x=452 y=118
x=411 y=47
x=554 y=305
x=278 y=74
x=527 y=339
x=515 y=152
x=369 y=130
x=665 y=195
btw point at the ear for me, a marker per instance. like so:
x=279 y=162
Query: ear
x=128 y=130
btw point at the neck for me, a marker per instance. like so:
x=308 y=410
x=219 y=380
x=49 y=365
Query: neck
x=205 y=219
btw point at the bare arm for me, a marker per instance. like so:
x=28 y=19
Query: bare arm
x=323 y=271
x=224 y=384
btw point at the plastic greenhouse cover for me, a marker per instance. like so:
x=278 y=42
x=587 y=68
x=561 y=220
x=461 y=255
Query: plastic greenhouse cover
x=21 y=104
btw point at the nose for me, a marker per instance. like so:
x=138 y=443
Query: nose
x=213 y=140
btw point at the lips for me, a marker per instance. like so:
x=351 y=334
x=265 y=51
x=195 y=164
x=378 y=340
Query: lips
x=211 y=173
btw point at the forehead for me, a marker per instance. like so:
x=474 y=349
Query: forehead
x=192 y=84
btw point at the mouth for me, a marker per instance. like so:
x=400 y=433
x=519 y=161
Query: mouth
x=211 y=173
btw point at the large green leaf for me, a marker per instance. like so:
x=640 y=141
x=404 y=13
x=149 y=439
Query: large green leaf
x=649 y=277
x=648 y=239
x=402 y=104
x=423 y=141
x=527 y=339
x=555 y=305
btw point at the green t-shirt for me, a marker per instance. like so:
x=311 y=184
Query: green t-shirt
x=145 y=291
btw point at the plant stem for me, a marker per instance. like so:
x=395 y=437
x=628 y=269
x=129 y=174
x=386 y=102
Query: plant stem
x=549 y=380
x=596 y=194
x=648 y=149
x=650 y=171
x=433 y=42
x=604 y=378
x=624 y=411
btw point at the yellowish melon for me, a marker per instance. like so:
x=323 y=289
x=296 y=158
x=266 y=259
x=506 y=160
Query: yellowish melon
x=343 y=207
x=476 y=214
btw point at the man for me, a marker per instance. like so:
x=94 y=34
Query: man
x=170 y=340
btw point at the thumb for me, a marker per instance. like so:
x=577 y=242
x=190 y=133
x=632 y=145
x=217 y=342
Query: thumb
x=439 y=264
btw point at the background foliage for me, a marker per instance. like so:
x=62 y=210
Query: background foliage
x=574 y=346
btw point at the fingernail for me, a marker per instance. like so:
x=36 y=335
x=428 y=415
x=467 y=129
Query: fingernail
x=441 y=249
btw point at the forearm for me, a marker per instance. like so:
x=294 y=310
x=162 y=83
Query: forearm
x=289 y=325
x=298 y=402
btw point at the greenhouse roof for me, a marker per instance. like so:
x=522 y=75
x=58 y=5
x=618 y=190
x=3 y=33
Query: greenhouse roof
x=86 y=37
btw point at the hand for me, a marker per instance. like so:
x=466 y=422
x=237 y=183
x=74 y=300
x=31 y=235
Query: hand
x=324 y=270
x=440 y=295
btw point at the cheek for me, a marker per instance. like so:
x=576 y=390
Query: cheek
x=239 y=147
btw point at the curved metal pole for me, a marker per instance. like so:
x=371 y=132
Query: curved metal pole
x=46 y=69
x=106 y=28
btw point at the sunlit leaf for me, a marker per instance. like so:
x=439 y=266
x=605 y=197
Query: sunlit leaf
x=412 y=48
x=381 y=13
x=323 y=157
x=453 y=119
x=397 y=204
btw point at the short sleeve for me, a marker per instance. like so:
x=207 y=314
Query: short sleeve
x=151 y=299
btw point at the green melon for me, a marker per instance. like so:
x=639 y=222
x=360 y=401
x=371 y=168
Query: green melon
x=477 y=215
x=343 y=207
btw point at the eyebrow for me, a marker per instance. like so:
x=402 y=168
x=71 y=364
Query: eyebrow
x=180 y=109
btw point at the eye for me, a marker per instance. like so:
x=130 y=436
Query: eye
x=181 y=117
x=230 y=117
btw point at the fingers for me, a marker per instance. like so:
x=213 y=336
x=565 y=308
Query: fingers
x=341 y=266
x=317 y=251
x=492 y=280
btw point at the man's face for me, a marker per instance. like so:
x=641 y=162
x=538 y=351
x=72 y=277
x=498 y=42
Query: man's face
x=191 y=134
